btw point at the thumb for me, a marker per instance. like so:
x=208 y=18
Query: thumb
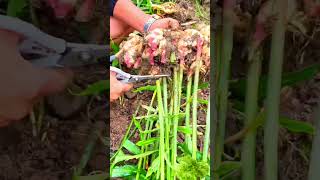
x=54 y=81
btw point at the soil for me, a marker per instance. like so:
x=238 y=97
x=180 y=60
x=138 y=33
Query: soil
x=54 y=153
x=121 y=116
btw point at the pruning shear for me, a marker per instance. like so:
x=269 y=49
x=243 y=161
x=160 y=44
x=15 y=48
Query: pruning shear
x=128 y=78
x=44 y=50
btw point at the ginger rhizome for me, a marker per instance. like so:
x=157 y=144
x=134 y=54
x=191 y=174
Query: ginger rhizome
x=164 y=46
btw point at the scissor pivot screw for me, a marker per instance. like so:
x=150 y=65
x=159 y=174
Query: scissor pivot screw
x=85 y=56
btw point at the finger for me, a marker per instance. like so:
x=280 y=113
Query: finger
x=16 y=111
x=112 y=73
x=174 y=24
x=10 y=37
x=127 y=87
x=54 y=81
x=114 y=96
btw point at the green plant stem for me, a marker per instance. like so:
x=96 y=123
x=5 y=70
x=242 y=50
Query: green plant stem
x=207 y=135
x=175 y=118
x=223 y=82
x=162 y=133
x=195 y=108
x=167 y=127
x=217 y=49
x=187 y=111
x=165 y=95
x=314 y=173
x=273 y=92
x=251 y=108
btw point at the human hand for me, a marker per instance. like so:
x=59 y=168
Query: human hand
x=23 y=84
x=165 y=23
x=117 y=88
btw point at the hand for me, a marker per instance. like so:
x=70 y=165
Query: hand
x=117 y=88
x=23 y=84
x=165 y=23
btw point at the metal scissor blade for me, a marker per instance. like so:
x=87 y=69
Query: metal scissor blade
x=136 y=78
x=83 y=54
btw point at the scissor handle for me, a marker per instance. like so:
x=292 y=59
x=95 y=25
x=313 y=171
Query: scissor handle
x=121 y=75
x=30 y=32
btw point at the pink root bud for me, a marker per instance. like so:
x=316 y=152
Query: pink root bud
x=175 y=42
x=128 y=60
x=259 y=35
x=164 y=57
x=137 y=64
x=182 y=62
x=199 y=47
x=152 y=44
x=151 y=57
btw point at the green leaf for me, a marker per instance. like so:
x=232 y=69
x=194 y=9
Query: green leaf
x=95 y=88
x=203 y=85
x=238 y=87
x=296 y=126
x=145 y=88
x=228 y=167
x=184 y=148
x=137 y=124
x=180 y=116
x=150 y=131
x=123 y=157
x=124 y=171
x=152 y=117
x=185 y=130
x=115 y=48
x=148 y=108
x=115 y=63
x=16 y=7
x=202 y=101
x=119 y=157
x=131 y=147
x=147 y=142
x=154 y=167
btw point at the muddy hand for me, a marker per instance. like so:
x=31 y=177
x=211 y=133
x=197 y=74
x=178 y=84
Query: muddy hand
x=117 y=88
x=22 y=84
x=165 y=23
